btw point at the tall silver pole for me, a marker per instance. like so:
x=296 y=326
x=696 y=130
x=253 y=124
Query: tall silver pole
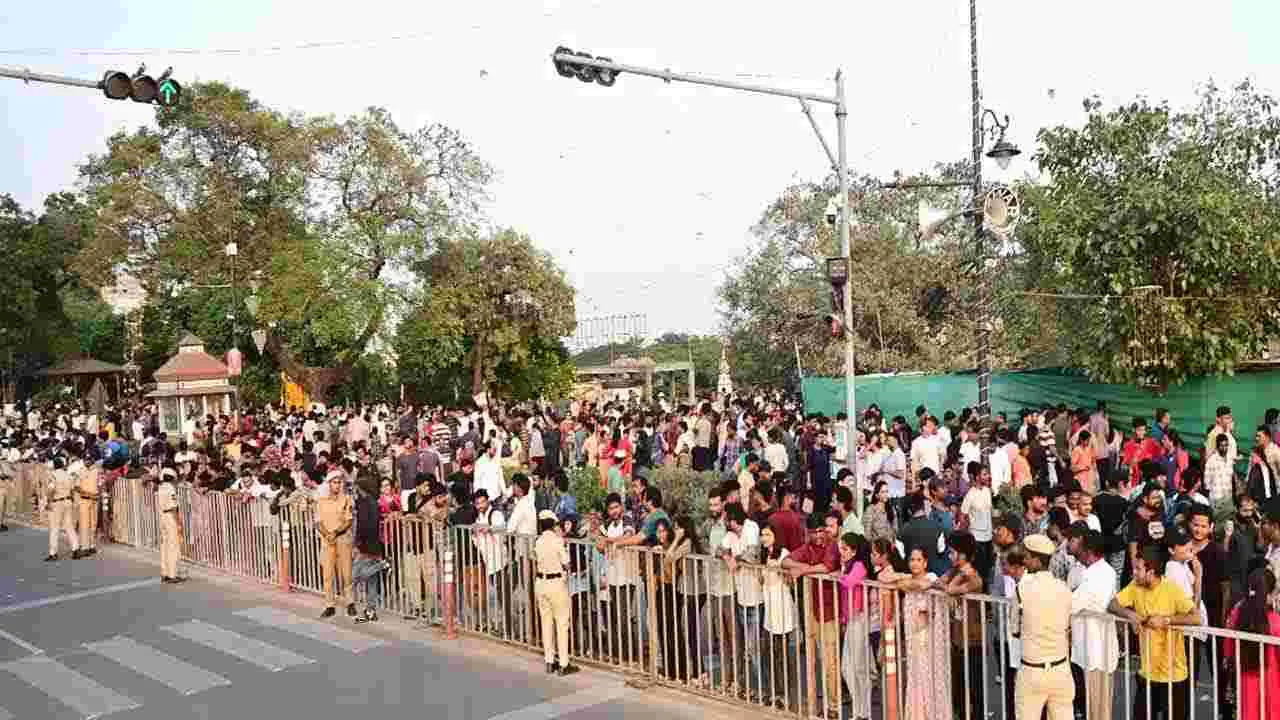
x=983 y=334
x=842 y=172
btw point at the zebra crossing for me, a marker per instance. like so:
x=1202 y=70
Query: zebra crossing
x=83 y=695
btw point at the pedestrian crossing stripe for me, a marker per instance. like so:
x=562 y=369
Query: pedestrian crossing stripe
x=69 y=687
x=248 y=649
x=160 y=666
x=93 y=700
x=339 y=637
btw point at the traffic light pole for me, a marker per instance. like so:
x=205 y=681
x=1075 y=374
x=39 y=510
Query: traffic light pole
x=842 y=174
x=27 y=76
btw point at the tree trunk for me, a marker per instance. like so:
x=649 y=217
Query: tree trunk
x=477 y=369
x=318 y=381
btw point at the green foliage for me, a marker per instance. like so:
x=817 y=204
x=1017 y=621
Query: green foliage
x=778 y=293
x=1145 y=194
x=323 y=211
x=684 y=492
x=488 y=303
x=1008 y=501
x=584 y=484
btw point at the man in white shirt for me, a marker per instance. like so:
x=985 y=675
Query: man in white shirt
x=926 y=452
x=969 y=450
x=740 y=549
x=1002 y=460
x=622 y=576
x=488 y=474
x=490 y=548
x=977 y=508
x=775 y=453
x=1094 y=647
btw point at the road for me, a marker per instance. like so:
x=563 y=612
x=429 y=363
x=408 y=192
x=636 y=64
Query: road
x=103 y=637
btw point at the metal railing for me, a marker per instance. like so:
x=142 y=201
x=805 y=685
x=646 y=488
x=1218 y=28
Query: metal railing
x=813 y=646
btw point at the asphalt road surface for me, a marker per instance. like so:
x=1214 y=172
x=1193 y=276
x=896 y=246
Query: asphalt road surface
x=102 y=637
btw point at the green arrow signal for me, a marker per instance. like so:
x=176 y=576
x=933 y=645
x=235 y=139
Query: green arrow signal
x=169 y=92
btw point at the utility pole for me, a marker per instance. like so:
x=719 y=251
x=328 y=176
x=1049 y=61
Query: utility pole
x=605 y=72
x=979 y=239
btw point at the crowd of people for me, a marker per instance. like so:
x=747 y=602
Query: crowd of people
x=1053 y=524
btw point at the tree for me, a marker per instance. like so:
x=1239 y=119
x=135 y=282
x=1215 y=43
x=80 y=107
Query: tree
x=1146 y=195
x=487 y=301
x=324 y=212
x=911 y=302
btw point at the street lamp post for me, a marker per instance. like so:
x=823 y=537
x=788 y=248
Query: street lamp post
x=604 y=71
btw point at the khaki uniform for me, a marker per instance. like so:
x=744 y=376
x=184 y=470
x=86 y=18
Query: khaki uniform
x=88 y=504
x=8 y=471
x=58 y=497
x=551 y=588
x=170 y=529
x=1044 y=680
x=333 y=517
x=39 y=478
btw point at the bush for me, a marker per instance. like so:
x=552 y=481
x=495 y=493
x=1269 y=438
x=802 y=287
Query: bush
x=684 y=492
x=584 y=484
x=1008 y=501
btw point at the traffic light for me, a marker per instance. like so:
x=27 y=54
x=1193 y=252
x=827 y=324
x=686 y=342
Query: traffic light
x=141 y=88
x=585 y=73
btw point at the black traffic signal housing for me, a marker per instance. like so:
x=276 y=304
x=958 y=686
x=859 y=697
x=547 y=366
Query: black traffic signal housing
x=585 y=73
x=141 y=88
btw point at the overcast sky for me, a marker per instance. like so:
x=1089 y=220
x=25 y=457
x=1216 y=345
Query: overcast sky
x=643 y=191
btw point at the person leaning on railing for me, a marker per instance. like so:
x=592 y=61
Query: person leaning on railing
x=1156 y=604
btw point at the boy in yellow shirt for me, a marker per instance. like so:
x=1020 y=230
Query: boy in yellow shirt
x=1157 y=604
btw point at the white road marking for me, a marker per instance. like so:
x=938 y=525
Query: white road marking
x=339 y=637
x=248 y=649
x=43 y=602
x=20 y=643
x=69 y=687
x=569 y=703
x=159 y=666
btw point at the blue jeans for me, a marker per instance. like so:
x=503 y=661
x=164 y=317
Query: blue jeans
x=368 y=570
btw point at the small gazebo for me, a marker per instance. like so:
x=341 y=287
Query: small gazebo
x=91 y=378
x=189 y=386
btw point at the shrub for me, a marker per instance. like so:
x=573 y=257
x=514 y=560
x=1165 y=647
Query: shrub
x=684 y=492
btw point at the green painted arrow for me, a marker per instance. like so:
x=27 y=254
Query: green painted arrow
x=168 y=90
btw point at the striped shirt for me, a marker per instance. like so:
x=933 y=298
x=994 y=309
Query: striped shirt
x=442 y=438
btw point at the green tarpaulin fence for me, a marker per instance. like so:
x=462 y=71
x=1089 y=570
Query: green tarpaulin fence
x=1192 y=405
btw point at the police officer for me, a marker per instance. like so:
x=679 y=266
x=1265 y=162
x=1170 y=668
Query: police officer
x=170 y=526
x=1044 y=680
x=334 y=516
x=551 y=588
x=58 y=499
x=87 y=484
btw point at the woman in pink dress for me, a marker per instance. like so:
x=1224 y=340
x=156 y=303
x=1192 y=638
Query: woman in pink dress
x=928 y=641
x=1252 y=615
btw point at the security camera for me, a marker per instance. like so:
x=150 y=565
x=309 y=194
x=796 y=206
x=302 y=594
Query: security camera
x=832 y=212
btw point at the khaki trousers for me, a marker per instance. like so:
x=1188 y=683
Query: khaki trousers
x=61 y=518
x=1038 y=688
x=1098 y=693
x=335 y=566
x=557 y=615
x=827 y=636
x=88 y=522
x=169 y=545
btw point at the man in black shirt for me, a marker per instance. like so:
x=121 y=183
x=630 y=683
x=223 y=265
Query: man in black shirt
x=1215 y=591
x=1146 y=525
